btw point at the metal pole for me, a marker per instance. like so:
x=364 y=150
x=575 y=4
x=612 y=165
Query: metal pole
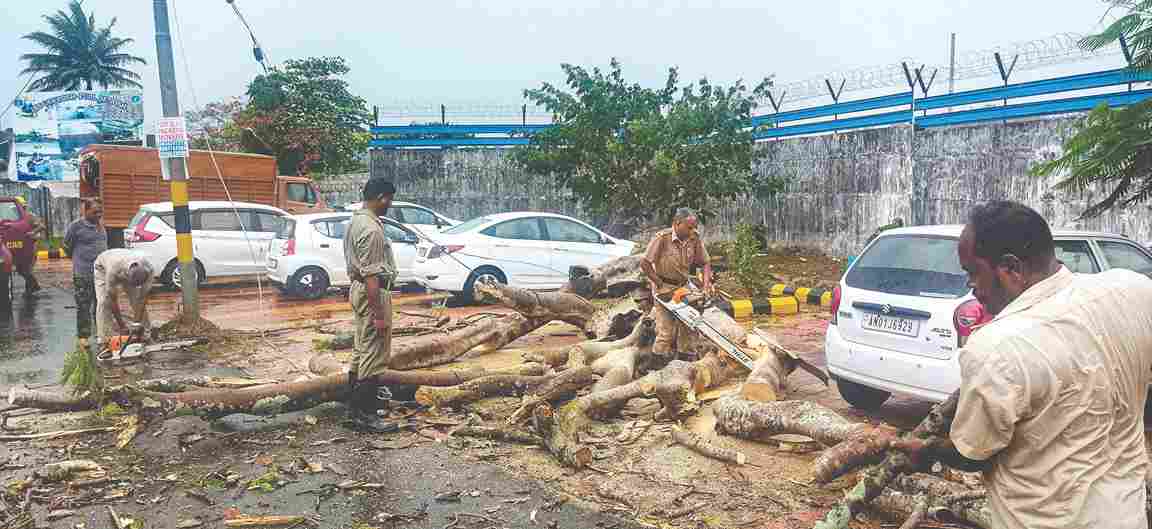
x=952 y=66
x=177 y=169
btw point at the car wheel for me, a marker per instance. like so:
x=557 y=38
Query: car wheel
x=309 y=283
x=171 y=275
x=861 y=396
x=484 y=273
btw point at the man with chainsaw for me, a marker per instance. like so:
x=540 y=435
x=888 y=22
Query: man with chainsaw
x=668 y=263
x=372 y=269
x=120 y=270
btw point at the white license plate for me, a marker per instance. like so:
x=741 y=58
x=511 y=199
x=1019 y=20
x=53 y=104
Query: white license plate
x=890 y=324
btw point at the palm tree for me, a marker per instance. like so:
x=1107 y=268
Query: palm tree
x=78 y=54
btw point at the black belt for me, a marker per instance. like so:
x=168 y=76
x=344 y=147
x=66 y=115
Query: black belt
x=672 y=281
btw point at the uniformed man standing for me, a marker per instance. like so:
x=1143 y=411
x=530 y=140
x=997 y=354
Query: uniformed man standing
x=372 y=269
x=668 y=264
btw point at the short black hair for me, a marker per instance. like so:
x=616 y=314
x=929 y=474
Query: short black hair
x=376 y=187
x=1005 y=227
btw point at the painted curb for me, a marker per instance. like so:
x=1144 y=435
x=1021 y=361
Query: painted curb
x=55 y=253
x=807 y=296
x=741 y=309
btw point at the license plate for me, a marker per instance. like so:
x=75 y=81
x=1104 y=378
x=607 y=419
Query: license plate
x=272 y=264
x=891 y=324
x=14 y=245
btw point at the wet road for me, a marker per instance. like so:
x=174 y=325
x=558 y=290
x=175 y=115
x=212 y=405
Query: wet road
x=40 y=329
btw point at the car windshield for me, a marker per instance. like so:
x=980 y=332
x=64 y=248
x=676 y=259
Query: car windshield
x=912 y=266
x=9 y=211
x=467 y=226
x=287 y=229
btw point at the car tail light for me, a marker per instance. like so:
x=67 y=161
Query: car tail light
x=290 y=247
x=140 y=234
x=968 y=317
x=439 y=251
x=835 y=305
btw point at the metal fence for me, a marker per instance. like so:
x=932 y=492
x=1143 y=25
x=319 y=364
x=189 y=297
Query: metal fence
x=57 y=212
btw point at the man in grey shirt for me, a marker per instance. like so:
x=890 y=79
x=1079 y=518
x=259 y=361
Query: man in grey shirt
x=84 y=241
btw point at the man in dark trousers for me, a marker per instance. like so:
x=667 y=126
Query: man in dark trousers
x=84 y=241
x=372 y=269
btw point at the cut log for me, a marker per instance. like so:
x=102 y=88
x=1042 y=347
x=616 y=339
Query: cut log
x=586 y=353
x=867 y=446
x=180 y=383
x=946 y=500
x=759 y=421
x=438 y=349
x=563 y=385
x=27 y=398
x=618 y=275
x=548 y=306
x=63 y=470
x=673 y=386
x=706 y=447
x=766 y=381
x=327 y=364
x=874 y=480
x=479 y=388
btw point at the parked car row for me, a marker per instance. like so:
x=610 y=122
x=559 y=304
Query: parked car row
x=304 y=254
x=904 y=308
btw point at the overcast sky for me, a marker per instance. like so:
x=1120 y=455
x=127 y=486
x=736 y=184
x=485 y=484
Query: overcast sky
x=433 y=51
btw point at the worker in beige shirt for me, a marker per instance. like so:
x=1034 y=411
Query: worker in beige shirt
x=668 y=264
x=1052 y=390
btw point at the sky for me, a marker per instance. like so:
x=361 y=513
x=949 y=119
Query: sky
x=472 y=54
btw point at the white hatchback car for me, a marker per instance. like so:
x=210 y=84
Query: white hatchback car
x=526 y=249
x=306 y=257
x=904 y=309
x=228 y=238
x=423 y=220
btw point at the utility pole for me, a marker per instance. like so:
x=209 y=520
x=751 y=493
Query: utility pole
x=176 y=168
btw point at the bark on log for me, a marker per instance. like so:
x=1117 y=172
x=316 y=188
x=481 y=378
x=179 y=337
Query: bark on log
x=673 y=386
x=617 y=275
x=946 y=499
x=499 y=434
x=586 y=353
x=874 y=480
x=533 y=305
x=479 y=388
x=438 y=349
x=564 y=384
x=26 y=398
x=758 y=421
x=327 y=364
x=867 y=446
x=707 y=447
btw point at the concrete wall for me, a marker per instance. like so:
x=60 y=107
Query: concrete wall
x=842 y=186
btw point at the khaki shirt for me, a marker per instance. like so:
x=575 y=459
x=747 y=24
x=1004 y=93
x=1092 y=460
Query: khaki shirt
x=673 y=258
x=1052 y=395
x=367 y=250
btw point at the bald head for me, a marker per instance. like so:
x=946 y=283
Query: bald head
x=139 y=273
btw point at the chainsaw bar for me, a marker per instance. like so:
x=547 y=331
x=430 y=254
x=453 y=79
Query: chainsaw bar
x=694 y=320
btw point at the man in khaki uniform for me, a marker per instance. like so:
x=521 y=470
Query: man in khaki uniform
x=372 y=269
x=668 y=264
x=1053 y=389
x=121 y=270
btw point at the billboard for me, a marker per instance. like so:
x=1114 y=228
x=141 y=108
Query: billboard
x=52 y=127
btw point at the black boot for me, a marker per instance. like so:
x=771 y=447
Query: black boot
x=362 y=408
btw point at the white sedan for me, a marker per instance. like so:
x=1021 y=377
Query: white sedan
x=526 y=249
x=424 y=220
x=306 y=257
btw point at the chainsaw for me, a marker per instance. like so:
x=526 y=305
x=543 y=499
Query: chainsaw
x=688 y=305
x=132 y=347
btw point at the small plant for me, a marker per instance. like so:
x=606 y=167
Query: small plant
x=268 y=482
x=80 y=372
x=742 y=258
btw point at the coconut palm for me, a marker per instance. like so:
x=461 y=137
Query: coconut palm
x=79 y=54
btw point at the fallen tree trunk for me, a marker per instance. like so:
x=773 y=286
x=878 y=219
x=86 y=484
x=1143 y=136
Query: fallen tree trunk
x=547 y=306
x=758 y=421
x=327 y=364
x=618 y=275
x=499 y=434
x=561 y=386
x=876 y=478
x=479 y=388
x=586 y=353
x=945 y=500
x=560 y=428
x=27 y=398
x=438 y=349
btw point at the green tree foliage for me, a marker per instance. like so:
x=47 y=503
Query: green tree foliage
x=79 y=55
x=1113 y=147
x=304 y=114
x=635 y=154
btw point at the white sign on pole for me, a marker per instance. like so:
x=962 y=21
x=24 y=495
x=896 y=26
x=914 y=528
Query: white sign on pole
x=172 y=138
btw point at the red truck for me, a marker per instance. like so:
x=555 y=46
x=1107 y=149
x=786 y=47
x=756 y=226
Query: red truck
x=128 y=177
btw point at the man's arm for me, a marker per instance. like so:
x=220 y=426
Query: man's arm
x=369 y=251
x=141 y=302
x=69 y=241
x=940 y=449
x=648 y=264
